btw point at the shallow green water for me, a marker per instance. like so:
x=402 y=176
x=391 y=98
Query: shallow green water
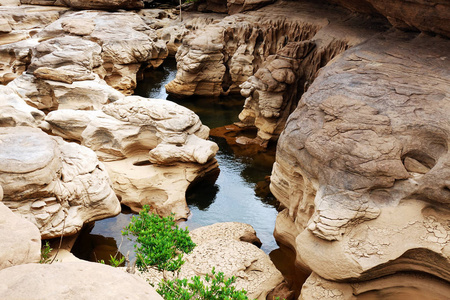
x=231 y=198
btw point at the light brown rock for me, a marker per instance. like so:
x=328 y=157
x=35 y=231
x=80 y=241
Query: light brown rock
x=21 y=240
x=87 y=281
x=227 y=248
x=362 y=165
x=56 y=185
x=153 y=149
x=104 y=4
x=15 y=112
x=126 y=42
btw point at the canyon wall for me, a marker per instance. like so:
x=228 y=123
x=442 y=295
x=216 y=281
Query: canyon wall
x=362 y=171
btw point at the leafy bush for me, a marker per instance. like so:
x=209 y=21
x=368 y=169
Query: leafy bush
x=211 y=287
x=45 y=253
x=161 y=242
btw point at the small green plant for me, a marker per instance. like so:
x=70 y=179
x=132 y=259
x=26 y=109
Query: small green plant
x=45 y=253
x=101 y=261
x=211 y=287
x=161 y=242
x=116 y=262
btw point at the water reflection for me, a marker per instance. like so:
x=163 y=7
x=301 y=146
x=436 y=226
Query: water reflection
x=240 y=193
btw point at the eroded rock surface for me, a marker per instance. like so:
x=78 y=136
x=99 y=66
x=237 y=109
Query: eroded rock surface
x=228 y=248
x=87 y=281
x=126 y=42
x=56 y=185
x=21 y=240
x=105 y=4
x=153 y=149
x=362 y=165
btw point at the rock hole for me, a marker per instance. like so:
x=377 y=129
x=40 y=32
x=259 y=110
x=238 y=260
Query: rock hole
x=418 y=162
x=142 y=163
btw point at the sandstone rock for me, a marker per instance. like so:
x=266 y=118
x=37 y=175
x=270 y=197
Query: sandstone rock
x=43 y=2
x=51 y=95
x=87 y=281
x=222 y=246
x=427 y=16
x=362 y=164
x=66 y=59
x=14 y=59
x=104 y=4
x=15 y=112
x=153 y=149
x=9 y=2
x=21 y=240
x=19 y=23
x=56 y=185
x=396 y=286
x=237 y=6
x=126 y=42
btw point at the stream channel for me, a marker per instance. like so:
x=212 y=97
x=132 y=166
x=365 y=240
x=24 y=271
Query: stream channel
x=236 y=195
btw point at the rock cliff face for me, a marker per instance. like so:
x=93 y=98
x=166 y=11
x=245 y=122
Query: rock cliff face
x=271 y=56
x=362 y=169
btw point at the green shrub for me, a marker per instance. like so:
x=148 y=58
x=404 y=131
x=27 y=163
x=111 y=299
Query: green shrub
x=45 y=253
x=161 y=242
x=211 y=287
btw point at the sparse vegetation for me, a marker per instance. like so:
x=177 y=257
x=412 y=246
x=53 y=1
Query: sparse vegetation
x=161 y=243
x=210 y=287
x=45 y=253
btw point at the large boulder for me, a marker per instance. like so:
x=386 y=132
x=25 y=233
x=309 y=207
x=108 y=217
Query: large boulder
x=21 y=240
x=56 y=185
x=228 y=247
x=363 y=164
x=71 y=281
x=153 y=149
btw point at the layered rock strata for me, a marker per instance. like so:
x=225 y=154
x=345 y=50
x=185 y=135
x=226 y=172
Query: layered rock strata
x=271 y=56
x=56 y=185
x=362 y=169
x=153 y=149
x=104 y=4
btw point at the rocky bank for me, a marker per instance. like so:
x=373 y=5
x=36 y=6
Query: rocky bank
x=356 y=93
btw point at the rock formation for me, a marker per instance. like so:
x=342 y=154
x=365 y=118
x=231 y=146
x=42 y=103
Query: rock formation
x=228 y=248
x=87 y=281
x=362 y=169
x=15 y=112
x=21 y=240
x=273 y=54
x=127 y=43
x=153 y=149
x=232 y=6
x=104 y=4
x=56 y=185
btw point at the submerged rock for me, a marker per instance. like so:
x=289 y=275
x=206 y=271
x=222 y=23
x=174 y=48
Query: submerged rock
x=87 y=281
x=56 y=185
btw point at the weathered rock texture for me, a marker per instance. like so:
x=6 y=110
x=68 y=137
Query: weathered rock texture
x=56 y=185
x=127 y=43
x=17 y=27
x=21 y=240
x=78 y=280
x=104 y=4
x=15 y=112
x=363 y=165
x=233 y=6
x=427 y=16
x=227 y=247
x=273 y=54
x=153 y=149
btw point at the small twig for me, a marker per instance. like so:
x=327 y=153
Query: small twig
x=60 y=240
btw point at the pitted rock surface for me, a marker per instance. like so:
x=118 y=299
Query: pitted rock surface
x=56 y=185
